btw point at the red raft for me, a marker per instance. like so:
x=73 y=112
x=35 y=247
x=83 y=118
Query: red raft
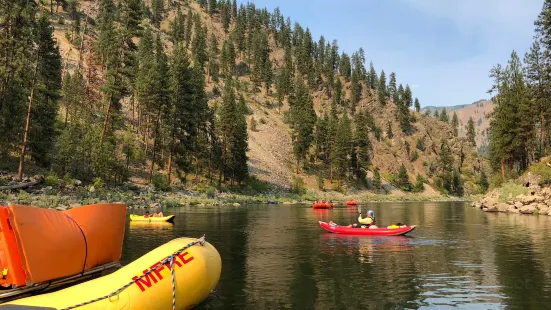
x=322 y=205
x=351 y=203
x=366 y=231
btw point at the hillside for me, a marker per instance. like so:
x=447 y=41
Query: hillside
x=270 y=145
x=440 y=108
x=479 y=112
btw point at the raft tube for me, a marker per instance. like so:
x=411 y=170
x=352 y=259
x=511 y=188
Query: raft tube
x=140 y=218
x=384 y=231
x=322 y=205
x=197 y=271
x=351 y=203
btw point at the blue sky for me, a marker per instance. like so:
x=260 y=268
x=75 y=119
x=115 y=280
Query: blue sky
x=443 y=49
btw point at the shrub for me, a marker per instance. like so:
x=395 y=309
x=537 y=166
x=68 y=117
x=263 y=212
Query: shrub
x=171 y=203
x=319 y=179
x=211 y=193
x=51 y=180
x=510 y=190
x=414 y=156
x=263 y=121
x=297 y=186
x=61 y=20
x=160 y=182
x=98 y=183
x=252 y=124
x=418 y=186
x=420 y=144
x=543 y=171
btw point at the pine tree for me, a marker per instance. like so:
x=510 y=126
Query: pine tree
x=212 y=7
x=392 y=90
x=436 y=114
x=483 y=182
x=444 y=116
x=389 y=133
x=445 y=164
x=377 y=179
x=417 y=105
x=345 y=68
x=381 y=89
x=372 y=79
x=402 y=179
x=177 y=28
x=190 y=18
x=157 y=11
x=133 y=15
x=233 y=126
x=303 y=119
x=455 y=124
x=42 y=107
x=363 y=145
x=199 y=43
x=343 y=147
x=471 y=132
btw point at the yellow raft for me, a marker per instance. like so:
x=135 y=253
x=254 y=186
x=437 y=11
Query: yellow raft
x=140 y=218
x=145 y=283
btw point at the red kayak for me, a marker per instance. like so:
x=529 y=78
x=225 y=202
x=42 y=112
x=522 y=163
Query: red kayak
x=351 y=203
x=366 y=231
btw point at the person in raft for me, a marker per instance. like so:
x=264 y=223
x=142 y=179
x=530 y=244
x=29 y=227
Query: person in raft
x=367 y=222
x=147 y=214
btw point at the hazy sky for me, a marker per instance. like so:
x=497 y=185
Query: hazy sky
x=442 y=48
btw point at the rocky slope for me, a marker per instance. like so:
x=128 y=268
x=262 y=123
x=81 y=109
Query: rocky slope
x=270 y=146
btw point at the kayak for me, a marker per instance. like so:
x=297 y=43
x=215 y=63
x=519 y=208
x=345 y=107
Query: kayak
x=383 y=231
x=140 y=218
x=322 y=205
x=351 y=203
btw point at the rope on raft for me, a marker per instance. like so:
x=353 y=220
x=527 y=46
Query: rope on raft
x=167 y=260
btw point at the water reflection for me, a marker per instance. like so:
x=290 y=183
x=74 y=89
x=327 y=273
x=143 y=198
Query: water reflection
x=278 y=257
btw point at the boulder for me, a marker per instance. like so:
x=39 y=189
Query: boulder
x=491 y=209
x=543 y=209
x=526 y=200
x=477 y=204
x=528 y=209
x=539 y=198
x=78 y=182
x=61 y=208
x=512 y=209
x=502 y=207
x=235 y=204
x=155 y=205
x=518 y=205
x=489 y=202
x=92 y=189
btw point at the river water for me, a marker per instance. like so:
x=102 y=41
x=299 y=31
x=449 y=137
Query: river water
x=277 y=257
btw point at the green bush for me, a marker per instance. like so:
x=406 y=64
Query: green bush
x=98 y=183
x=51 y=180
x=160 y=182
x=543 y=171
x=511 y=190
x=61 y=20
x=297 y=186
x=171 y=203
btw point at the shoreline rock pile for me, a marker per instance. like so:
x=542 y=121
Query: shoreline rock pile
x=537 y=201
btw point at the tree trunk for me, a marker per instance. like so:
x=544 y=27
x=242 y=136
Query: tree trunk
x=196 y=160
x=66 y=113
x=132 y=107
x=297 y=166
x=27 y=125
x=542 y=134
x=154 y=145
x=331 y=174
x=106 y=121
x=503 y=168
x=65 y=65
x=81 y=45
x=169 y=176
x=51 y=6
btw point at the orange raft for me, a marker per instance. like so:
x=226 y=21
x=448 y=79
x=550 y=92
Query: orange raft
x=41 y=246
x=351 y=203
x=322 y=205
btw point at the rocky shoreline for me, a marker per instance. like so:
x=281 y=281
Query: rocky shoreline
x=536 y=201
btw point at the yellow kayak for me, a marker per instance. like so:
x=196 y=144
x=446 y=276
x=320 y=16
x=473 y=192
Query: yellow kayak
x=145 y=283
x=140 y=218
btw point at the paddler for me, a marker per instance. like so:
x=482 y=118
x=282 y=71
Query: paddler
x=369 y=220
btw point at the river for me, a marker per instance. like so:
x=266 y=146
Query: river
x=277 y=257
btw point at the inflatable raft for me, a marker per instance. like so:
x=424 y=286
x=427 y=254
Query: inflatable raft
x=351 y=203
x=146 y=283
x=43 y=249
x=322 y=205
x=151 y=219
x=383 y=231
